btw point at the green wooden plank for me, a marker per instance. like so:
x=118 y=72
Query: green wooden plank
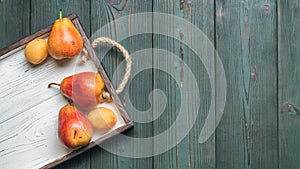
x=44 y=13
x=246 y=42
x=14 y=21
x=102 y=13
x=188 y=153
x=79 y=162
x=289 y=73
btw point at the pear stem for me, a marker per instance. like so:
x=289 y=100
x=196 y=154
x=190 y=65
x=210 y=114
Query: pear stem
x=60 y=14
x=70 y=102
x=49 y=85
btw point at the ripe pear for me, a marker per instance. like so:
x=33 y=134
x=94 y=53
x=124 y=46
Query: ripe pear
x=64 y=40
x=102 y=118
x=74 y=129
x=85 y=89
x=36 y=51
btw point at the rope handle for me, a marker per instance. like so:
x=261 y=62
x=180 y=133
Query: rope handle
x=125 y=54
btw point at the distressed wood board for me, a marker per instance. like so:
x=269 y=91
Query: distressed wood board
x=29 y=109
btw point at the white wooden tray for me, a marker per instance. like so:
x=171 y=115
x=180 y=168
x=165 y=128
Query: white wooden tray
x=29 y=110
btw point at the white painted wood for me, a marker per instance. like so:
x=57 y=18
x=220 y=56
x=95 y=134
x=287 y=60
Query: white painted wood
x=29 y=110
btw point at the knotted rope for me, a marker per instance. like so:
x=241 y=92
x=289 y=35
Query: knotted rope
x=125 y=54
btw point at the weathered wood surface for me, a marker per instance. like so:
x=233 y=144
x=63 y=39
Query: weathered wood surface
x=102 y=15
x=289 y=79
x=15 y=15
x=188 y=153
x=258 y=44
x=246 y=42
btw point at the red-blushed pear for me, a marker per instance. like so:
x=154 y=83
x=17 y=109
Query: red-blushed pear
x=74 y=129
x=64 y=40
x=85 y=89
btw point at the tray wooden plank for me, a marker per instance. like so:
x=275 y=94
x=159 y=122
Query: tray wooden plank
x=43 y=12
x=29 y=109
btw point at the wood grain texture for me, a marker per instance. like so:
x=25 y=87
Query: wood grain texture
x=289 y=79
x=14 y=21
x=102 y=13
x=30 y=122
x=43 y=13
x=246 y=42
x=188 y=153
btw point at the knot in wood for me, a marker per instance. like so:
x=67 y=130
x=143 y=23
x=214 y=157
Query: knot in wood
x=266 y=8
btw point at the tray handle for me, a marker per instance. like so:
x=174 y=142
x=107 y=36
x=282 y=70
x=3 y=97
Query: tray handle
x=125 y=54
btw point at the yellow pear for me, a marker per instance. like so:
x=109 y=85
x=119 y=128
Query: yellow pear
x=36 y=51
x=102 y=118
x=64 y=40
